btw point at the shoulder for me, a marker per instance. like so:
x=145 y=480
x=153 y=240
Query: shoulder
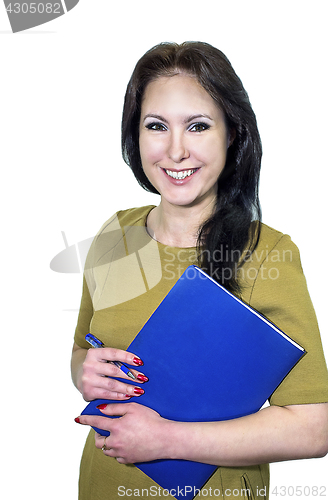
x=275 y=260
x=134 y=216
x=124 y=218
x=273 y=245
x=110 y=236
x=270 y=237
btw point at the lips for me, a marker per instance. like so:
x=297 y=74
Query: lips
x=180 y=175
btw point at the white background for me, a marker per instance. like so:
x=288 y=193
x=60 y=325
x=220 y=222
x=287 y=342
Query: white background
x=61 y=93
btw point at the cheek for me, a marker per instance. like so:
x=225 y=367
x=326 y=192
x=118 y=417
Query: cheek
x=151 y=151
x=212 y=152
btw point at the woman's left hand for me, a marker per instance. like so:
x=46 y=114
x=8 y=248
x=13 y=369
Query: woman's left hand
x=139 y=435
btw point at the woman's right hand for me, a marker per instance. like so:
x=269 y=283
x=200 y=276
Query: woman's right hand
x=99 y=379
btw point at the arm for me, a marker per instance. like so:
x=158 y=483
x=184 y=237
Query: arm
x=273 y=434
x=270 y=435
x=93 y=376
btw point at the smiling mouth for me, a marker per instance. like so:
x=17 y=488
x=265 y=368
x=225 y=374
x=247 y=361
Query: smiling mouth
x=182 y=174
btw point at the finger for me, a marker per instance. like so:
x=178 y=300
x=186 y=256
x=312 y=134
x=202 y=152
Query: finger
x=104 y=443
x=111 y=388
x=109 y=369
x=100 y=441
x=103 y=423
x=115 y=409
x=103 y=394
x=119 y=391
x=112 y=354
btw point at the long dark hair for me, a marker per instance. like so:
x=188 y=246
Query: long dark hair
x=229 y=232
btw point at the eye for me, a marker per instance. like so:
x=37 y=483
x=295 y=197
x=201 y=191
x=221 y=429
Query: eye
x=155 y=126
x=199 y=127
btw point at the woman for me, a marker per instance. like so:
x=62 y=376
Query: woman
x=189 y=134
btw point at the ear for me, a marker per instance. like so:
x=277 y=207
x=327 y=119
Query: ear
x=231 y=136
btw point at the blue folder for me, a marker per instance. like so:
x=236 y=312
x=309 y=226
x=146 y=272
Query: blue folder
x=208 y=357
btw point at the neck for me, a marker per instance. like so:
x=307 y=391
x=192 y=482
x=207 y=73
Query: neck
x=178 y=226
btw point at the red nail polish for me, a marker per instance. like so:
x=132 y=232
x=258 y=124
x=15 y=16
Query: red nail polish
x=137 y=361
x=138 y=390
x=142 y=377
x=77 y=420
x=102 y=406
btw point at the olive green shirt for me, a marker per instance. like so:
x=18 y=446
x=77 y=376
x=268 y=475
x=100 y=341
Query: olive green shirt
x=127 y=275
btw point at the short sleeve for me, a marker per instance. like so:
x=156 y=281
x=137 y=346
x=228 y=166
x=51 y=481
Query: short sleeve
x=280 y=293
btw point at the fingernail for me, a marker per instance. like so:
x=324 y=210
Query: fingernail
x=142 y=377
x=102 y=406
x=138 y=390
x=77 y=420
x=137 y=361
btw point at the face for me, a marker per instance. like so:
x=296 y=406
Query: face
x=183 y=140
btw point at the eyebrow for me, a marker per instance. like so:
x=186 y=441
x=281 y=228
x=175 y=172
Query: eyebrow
x=158 y=117
x=187 y=120
x=195 y=117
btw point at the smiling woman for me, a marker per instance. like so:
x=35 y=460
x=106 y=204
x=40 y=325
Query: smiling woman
x=182 y=156
x=217 y=94
x=189 y=134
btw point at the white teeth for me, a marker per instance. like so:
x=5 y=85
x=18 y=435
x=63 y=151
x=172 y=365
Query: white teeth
x=180 y=175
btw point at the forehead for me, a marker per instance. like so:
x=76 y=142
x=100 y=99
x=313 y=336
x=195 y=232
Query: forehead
x=177 y=92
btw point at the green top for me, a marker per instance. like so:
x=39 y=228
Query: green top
x=127 y=274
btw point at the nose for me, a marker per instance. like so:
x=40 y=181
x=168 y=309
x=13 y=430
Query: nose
x=178 y=150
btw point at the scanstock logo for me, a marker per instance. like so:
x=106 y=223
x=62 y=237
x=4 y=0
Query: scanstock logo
x=25 y=14
x=121 y=264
